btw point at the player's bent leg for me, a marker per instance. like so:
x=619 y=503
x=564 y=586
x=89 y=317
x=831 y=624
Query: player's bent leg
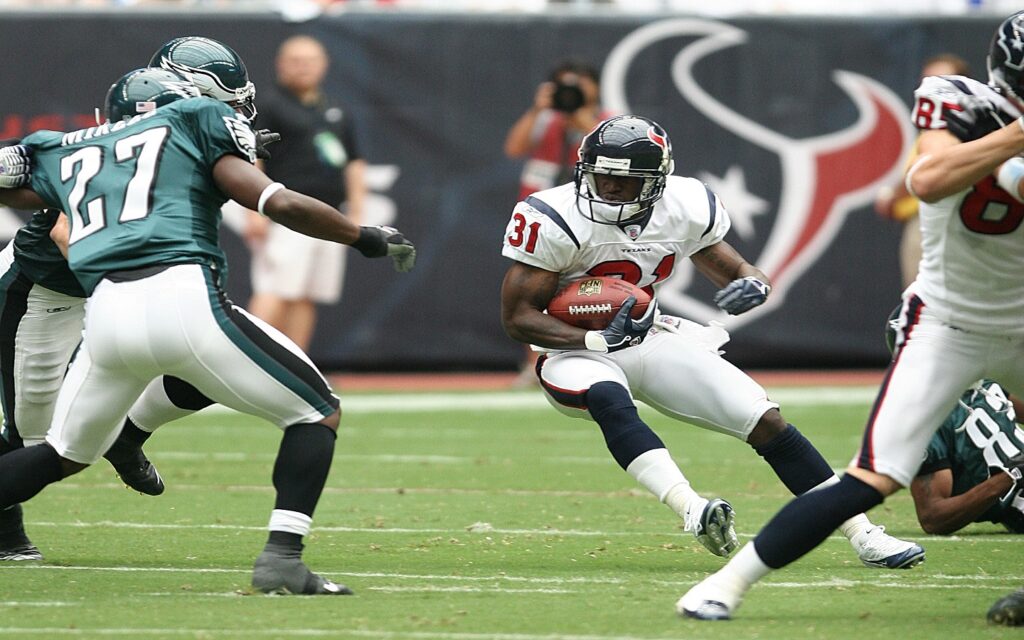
x=643 y=455
x=300 y=473
x=1008 y=610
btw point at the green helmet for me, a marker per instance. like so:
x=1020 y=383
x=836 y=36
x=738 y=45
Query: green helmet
x=213 y=67
x=143 y=90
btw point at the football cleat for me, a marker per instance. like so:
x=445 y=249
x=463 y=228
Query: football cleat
x=140 y=474
x=279 y=570
x=712 y=523
x=876 y=548
x=715 y=598
x=20 y=553
x=1008 y=610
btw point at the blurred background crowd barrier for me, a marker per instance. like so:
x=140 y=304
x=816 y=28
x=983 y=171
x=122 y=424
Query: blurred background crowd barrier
x=795 y=120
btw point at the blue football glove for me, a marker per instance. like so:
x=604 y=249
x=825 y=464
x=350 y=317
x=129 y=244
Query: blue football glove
x=623 y=331
x=973 y=117
x=15 y=166
x=741 y=295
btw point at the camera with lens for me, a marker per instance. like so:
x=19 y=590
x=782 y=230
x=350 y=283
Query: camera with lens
x=567 y=97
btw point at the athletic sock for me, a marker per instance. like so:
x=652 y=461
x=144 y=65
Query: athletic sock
x=125 y=449
x=300 y=471
x=625 y=433
x=24 y=473
x=808 y=520
x=12 y=528
x=795 y=460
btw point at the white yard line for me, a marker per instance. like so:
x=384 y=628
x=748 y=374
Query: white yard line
x=429 y=402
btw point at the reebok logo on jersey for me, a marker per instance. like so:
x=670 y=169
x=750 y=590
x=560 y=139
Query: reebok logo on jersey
x=57 y=309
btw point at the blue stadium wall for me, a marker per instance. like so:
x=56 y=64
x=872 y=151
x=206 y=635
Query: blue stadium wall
x=795 y=122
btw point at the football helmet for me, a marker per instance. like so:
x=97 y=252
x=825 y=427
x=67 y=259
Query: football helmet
x=216 y=70
x=1006 y=58
x=143 y=90
x=630 y=146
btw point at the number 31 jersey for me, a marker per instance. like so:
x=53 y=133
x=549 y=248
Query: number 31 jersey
x=141 y=192
x=972 y=263
x=549 y=231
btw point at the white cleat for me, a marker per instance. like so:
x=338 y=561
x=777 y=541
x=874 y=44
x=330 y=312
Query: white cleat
x=876 y=548
x=712 y=523
x=715 y=598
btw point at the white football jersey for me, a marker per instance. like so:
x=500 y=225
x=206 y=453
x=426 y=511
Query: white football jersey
x=972 y=267
x=549 y=231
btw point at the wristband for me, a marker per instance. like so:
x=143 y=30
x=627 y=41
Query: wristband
x=271 y=189
x=594 y=341
x=1010 y=175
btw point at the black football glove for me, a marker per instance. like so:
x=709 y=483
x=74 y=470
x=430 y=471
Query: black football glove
x=263 y=138
x=973 y=117
x=15 y=166
x=741 y=295
x=1014 y=467
x=623 y=331
x=377 y=242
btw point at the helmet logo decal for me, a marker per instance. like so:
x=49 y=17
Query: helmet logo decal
x=656 y=139
x=823 y=177
x=1011 y=43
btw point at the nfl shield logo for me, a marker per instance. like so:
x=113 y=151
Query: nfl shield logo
x=589 y=288
x=633 y=231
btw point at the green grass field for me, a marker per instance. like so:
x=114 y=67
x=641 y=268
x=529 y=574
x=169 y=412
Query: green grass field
x=473 y=517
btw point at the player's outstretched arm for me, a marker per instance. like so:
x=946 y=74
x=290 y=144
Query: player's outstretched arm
x=525 y=294
x=940 y=512
x=251 y=188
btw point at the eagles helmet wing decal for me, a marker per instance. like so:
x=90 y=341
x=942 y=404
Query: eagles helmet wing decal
x=823 y=177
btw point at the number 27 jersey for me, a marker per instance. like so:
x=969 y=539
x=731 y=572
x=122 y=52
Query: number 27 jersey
x=141 y=192
x=548 y=231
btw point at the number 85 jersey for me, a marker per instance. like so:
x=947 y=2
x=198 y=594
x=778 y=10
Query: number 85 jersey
x=548 y=231
x=971 y=264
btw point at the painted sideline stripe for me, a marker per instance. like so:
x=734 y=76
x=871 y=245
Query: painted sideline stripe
x=998 y=582
x=484 y=529
x=534 y=400
x=293 y=632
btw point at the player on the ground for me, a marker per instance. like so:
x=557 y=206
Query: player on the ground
x=973 y=465
x=626 y=215
x=960 y=320
x=142 y=197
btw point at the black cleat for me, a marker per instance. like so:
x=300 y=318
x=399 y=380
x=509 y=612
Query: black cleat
x=1008 y=610
x=20 y=553
x=140 y=474
x=280 y=570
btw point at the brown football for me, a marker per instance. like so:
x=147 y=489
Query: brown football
x=591 y=303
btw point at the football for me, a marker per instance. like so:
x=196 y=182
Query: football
x=591 y=303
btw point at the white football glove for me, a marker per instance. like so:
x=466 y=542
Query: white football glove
x=15 y=166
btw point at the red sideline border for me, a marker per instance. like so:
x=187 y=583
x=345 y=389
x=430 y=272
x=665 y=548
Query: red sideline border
x=490 y=381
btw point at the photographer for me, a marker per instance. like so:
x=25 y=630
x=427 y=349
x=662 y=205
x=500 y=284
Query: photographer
x=565 y=108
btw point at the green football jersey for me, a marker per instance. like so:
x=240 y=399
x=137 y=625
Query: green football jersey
x=140 y=192
x=979 y=433
x=40 y=259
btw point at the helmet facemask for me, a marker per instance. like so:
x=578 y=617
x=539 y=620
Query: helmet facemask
x=603 y=211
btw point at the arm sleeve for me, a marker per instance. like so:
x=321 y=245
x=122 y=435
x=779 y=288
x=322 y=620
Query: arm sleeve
x=936 y=455
x=713 y=219
x=45 y=160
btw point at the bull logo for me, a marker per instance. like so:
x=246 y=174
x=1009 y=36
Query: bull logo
x=824 y=177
